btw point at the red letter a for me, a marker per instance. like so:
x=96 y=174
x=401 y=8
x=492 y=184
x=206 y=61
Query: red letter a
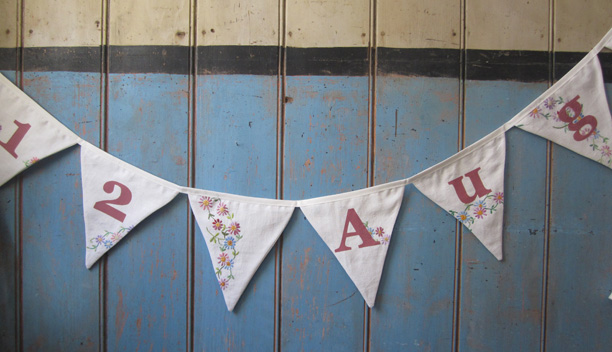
x=360 y=230
x=481 y=190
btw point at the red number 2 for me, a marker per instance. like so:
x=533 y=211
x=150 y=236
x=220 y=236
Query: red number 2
x=125 y=197
x=11 y=145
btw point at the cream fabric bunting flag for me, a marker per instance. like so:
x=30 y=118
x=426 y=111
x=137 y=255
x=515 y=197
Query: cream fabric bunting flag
x=239 y=232
x=574 y=113
x=470 y=186
x=357 y=228
x=116 y=197
x=28 y=133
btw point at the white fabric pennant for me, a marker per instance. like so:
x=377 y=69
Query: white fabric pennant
x=357 y=228
x=574 y=113
x=116 y=197
x=239 y=232
x=470 y=186
x=28 y=133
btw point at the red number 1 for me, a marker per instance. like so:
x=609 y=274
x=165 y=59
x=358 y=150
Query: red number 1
x=11 y=145
x=125 y=197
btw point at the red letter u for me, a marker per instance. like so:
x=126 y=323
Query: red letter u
x=480 y=189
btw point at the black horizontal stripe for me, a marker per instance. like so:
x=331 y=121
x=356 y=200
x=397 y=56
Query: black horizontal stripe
x=504 y=65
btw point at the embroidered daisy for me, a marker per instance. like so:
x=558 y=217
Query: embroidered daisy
x=480 y=203
x=116 y=237
x=99 y=239
x=385 y=239
x=380 y=231
x=234 y=228
x=217 y=224
x=230 y=242
x=498 y=197
x=223 y=283
x=606 y=151
x=223 y=259
x=550 y=103
x=463 y=217
x=206 y=202
x=480 y=213
x=222 y=209
x=108 y=244
x=535 y=113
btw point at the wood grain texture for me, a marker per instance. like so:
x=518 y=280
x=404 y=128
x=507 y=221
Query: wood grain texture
x=60 y=304
x=501 y=300
x=580 y=24
x=416 y=126
x=235 y=152
x=9 y=13
x=147 y=273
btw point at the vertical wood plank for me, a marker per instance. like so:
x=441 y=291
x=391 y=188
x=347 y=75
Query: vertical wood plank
x=500 y=303
x=9 y=240
x=580 y=279
x=59 y=296
x=148 y=126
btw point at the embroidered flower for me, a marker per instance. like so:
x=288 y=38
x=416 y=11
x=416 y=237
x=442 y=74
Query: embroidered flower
x=535 y=113
x=223 y=259
x=234 y=228
x=99 y=239
x=480 y=204
x=385 y=239
x=116 y=237
x=498 y=197
x=224 y=283
x=463 y=216
x=108 y=244
x=480 y=212
x=217 y=224
x=380 y=231
x=550 y=103
x=606 y=151
x=205 y=202
x=230 y=242
x=371 y=231
x=222 y=209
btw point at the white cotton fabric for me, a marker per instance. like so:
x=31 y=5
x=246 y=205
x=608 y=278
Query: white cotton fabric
x=377 y=209
x=545 y=117
x=41 y=135
x=483 y=215
x=101 y=175
x=239 y=232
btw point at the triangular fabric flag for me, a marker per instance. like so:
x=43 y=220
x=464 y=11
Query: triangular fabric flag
x=116 y=197
x=28 y=133
x=470 y=186
x=574 y=113
x=239 y=232
x=357 y=228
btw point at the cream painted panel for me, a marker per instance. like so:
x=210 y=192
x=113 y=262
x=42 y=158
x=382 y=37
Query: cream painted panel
x=507 y=25
x=8 y=23
x=238 y=22
x=321 y=23
x=579 y=25
x=418 y=24
x=149 y=22
x=62 y=23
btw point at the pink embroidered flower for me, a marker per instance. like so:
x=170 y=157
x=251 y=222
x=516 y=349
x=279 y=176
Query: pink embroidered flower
x=217 y=224
x=206 y=203
x=498 y=197
x=223 y=259
x=380 y=231
x=535 y=113
x=606 y=151
x=480 y=212
x=234 y=228
x=116 y=237
x=223 y=283
x=222 y=209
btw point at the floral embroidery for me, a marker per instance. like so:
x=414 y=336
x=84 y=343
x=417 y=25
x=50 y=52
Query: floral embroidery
x=378 y=234
x=478 y=209
x=547 y=109
x=108 y=239
x=226 y=237
x=29 y=163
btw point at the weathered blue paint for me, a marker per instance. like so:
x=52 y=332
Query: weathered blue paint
x=147 y=271
x=416 y=126
x=501 y=301
x=325 y=153
x=60 y=298
x=579 y=278
x=235 y=152
x=9 y=247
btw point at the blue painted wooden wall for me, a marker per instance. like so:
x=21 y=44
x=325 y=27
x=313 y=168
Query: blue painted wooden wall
x=320 y=98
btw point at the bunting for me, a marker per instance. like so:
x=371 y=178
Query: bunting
x=356 y=226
